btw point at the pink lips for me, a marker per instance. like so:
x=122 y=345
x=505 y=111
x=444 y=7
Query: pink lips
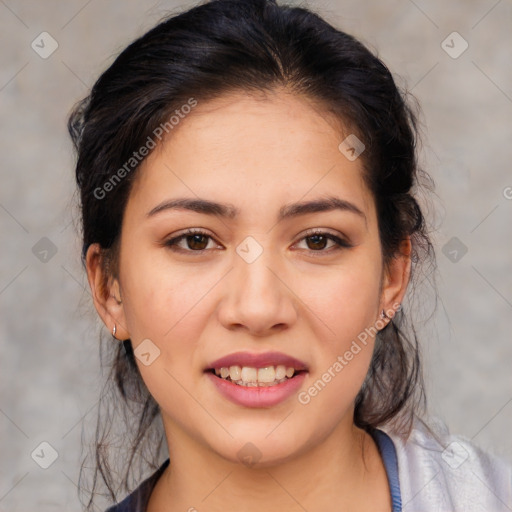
x=257 y=361
x=257 y=397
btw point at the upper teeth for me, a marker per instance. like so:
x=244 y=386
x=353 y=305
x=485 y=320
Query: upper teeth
x=248 y=374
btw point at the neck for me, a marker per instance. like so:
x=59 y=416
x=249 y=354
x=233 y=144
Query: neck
x=345 y=472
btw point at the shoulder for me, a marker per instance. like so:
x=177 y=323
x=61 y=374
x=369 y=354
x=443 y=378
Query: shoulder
x=441 y=471
x=137 y=500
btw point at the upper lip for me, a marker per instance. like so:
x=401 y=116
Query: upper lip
x=257 y=360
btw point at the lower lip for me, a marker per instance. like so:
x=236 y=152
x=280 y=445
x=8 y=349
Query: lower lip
x=257 y=396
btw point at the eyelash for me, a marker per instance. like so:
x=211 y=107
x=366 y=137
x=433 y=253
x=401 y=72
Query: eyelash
x=340 y=243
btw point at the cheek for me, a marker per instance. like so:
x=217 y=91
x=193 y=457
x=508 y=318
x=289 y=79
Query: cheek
x=166 y=308
x=345 y=305
x=169 y=305
x=345 y=300
x=160 y=303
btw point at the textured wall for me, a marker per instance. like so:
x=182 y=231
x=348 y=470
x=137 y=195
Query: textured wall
x=49 y=334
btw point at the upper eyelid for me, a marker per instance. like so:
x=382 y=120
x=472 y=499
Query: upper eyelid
x=191 y=232
x=308 y=233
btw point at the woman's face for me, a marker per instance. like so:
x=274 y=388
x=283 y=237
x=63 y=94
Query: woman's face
x=257 y=281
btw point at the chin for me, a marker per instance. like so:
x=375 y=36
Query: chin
x=259 y=450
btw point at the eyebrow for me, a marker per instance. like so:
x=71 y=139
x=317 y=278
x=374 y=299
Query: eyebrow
x=230 y=211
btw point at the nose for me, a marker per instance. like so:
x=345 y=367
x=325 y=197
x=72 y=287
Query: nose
x=257 y=297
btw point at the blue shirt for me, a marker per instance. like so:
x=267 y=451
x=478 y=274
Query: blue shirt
x=138 y=500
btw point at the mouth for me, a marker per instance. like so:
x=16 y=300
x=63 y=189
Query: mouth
x=257 y=370
x=256 y=377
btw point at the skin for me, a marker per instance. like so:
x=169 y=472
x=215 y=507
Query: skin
x=299 y=297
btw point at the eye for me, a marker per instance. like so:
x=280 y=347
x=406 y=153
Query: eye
x=318 y=240
x=195 y=240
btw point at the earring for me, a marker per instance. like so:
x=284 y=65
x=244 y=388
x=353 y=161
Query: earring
x=114 y=332
x=383 y=314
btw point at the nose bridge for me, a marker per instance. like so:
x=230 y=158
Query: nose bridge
x=253 y=263
x=256 y=297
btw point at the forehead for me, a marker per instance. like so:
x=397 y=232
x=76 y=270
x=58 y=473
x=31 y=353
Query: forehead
x=253 y=150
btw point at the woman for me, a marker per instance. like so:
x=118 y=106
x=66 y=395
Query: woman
x=250 y=230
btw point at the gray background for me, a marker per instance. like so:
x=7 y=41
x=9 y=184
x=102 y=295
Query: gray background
x=49 y=331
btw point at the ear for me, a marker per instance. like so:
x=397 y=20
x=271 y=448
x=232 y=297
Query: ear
x=106 y=293
x=396 y=278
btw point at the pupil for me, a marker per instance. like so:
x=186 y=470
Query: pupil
x=196 y=239
x=321 y=237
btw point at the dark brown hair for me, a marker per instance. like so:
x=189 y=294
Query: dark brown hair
x=205 y=52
